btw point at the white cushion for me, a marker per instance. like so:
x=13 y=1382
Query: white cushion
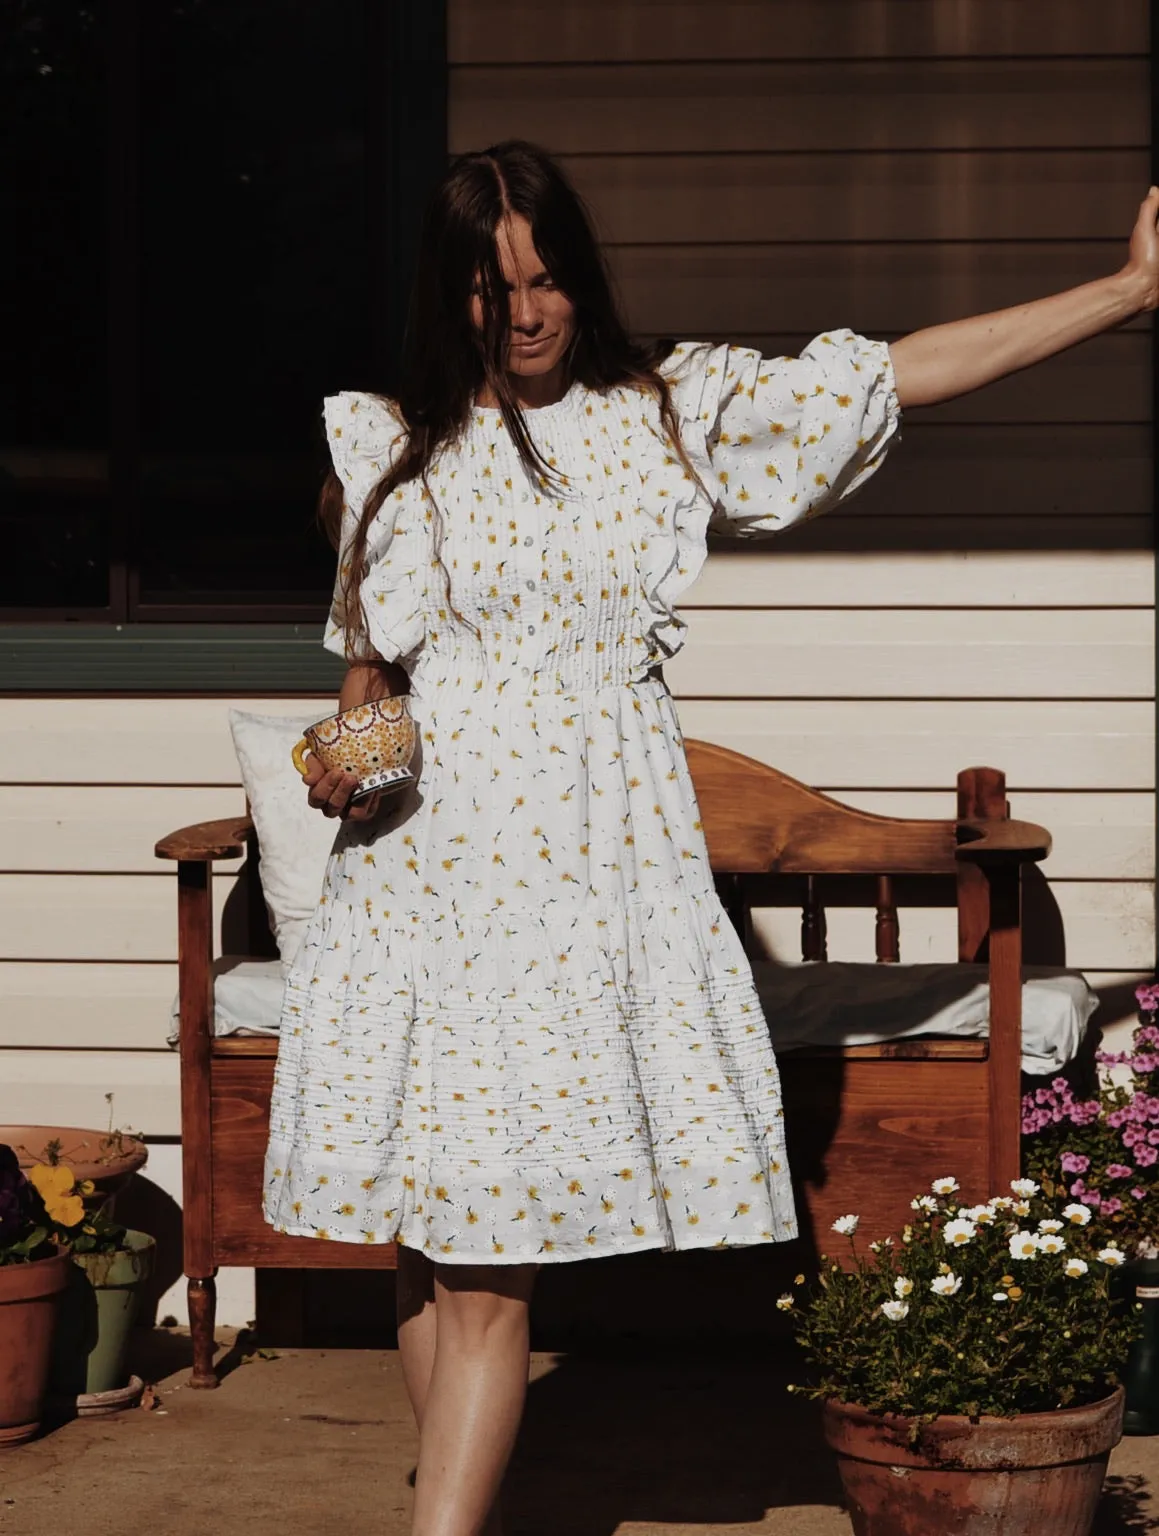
x=838 y=1003
x=295 y=840
x=831 y=1004
x=247 y=997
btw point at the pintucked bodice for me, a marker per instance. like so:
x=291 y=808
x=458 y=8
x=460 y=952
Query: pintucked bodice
x=539 y=587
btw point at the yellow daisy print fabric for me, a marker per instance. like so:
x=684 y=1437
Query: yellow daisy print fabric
x=520 y=1027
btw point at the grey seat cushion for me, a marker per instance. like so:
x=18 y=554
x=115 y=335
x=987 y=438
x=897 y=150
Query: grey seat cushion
x=832 y=1004
x=844 y=1003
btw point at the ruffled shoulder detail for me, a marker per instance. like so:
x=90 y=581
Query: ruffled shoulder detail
x=769 y=442
x=365 y=435
x=679 y=504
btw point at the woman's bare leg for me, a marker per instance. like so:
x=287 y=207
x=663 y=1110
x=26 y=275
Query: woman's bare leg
x=474 y=1397
x=417 y=1323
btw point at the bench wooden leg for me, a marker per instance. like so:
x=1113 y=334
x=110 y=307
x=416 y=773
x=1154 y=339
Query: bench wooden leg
x=202 y=1294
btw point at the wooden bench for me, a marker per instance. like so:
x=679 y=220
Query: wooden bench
x=868 y=1125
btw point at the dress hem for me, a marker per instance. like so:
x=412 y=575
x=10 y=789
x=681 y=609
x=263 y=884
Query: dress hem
x=462 y=1256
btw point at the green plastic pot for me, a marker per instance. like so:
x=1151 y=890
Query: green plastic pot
x=97 y=1314
x=1140 y=1283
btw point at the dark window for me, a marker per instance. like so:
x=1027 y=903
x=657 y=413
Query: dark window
x=212 y=206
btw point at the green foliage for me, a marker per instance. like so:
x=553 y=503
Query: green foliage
x=998 y=1309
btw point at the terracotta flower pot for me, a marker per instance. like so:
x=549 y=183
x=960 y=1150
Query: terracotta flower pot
x=1023 y=1476
x=109 y=1169
x=29 y=1296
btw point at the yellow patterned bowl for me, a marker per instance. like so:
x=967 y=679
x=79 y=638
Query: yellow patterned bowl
x=374 y=741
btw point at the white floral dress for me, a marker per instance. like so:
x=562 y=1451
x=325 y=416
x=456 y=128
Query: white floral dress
x=520 y=1027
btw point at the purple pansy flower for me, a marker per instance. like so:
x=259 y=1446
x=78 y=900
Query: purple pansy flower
x=13 y=1199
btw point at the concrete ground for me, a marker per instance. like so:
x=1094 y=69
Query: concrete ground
x=668 y=1441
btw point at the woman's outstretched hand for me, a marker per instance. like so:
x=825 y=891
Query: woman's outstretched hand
x=329 y=791
x=1142 y=265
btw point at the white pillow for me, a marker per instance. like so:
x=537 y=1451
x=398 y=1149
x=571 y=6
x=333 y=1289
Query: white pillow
x=295 y=840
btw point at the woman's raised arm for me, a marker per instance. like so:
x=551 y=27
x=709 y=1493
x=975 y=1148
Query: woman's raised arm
x=942 y=361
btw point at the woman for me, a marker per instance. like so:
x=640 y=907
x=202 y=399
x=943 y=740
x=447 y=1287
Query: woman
x=520 y=1029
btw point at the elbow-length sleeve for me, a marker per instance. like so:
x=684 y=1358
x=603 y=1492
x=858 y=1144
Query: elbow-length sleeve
x=365 y=436
x=786 y=438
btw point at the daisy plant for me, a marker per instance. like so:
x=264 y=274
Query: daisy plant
x=1003 y=1308
x=1103 y=1150
x=43 y=1212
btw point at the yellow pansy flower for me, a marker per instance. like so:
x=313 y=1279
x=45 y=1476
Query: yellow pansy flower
x=56 y=1186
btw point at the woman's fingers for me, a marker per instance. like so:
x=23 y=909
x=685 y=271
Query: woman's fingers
x=331 y=793
x=365 y=809
x=1143 y=258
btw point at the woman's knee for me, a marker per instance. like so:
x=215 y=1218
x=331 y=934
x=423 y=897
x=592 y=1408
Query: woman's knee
x=478 y=1299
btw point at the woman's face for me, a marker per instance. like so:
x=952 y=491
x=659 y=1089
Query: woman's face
x=542 y=318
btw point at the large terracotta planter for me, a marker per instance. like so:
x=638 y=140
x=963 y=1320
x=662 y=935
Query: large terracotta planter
x=29 y=1296
x=1025 y=1476
x=84 y=1154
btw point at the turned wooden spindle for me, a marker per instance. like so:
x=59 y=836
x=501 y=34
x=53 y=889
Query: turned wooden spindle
x=886 y=931
x=813 y=946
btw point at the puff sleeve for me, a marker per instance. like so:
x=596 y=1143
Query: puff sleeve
x=783 y=439
x=364 y=436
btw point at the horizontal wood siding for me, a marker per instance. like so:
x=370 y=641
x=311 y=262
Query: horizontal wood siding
x=760 y=170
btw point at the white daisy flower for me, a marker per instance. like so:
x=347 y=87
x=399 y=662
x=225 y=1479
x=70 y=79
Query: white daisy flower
x=1074 y=1269
x=1024 y=1245
x=902 y=1287
x=1078 y=1214
x=1048 y=1224
x=925 y=1203
x=981 y=1215
x=958 y=1232
x=945 y=1186
x=1021 y=1208
x=785 y=1302
x=846 y=1225
x=1000 y=1202
x=946 y=1285
x=1112 y=1256
x=1024 y=1187
x=895 y=1310
x=1050 y=1242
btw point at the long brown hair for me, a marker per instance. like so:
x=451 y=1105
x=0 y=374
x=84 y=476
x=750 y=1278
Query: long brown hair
x=446 y=361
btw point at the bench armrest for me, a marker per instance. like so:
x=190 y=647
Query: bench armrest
x=1001 y=842
x=206 y=841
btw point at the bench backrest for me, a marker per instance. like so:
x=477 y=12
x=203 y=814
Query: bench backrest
x=774 y=841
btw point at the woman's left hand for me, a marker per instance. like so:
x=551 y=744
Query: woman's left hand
x=1142 y=264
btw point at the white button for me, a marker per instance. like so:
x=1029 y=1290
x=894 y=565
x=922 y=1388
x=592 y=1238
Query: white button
x=529 y=541
x=526 y=671
x=531 y=586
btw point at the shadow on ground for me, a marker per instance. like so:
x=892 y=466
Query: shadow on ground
x=666 y=1436
x=1127 y=1505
